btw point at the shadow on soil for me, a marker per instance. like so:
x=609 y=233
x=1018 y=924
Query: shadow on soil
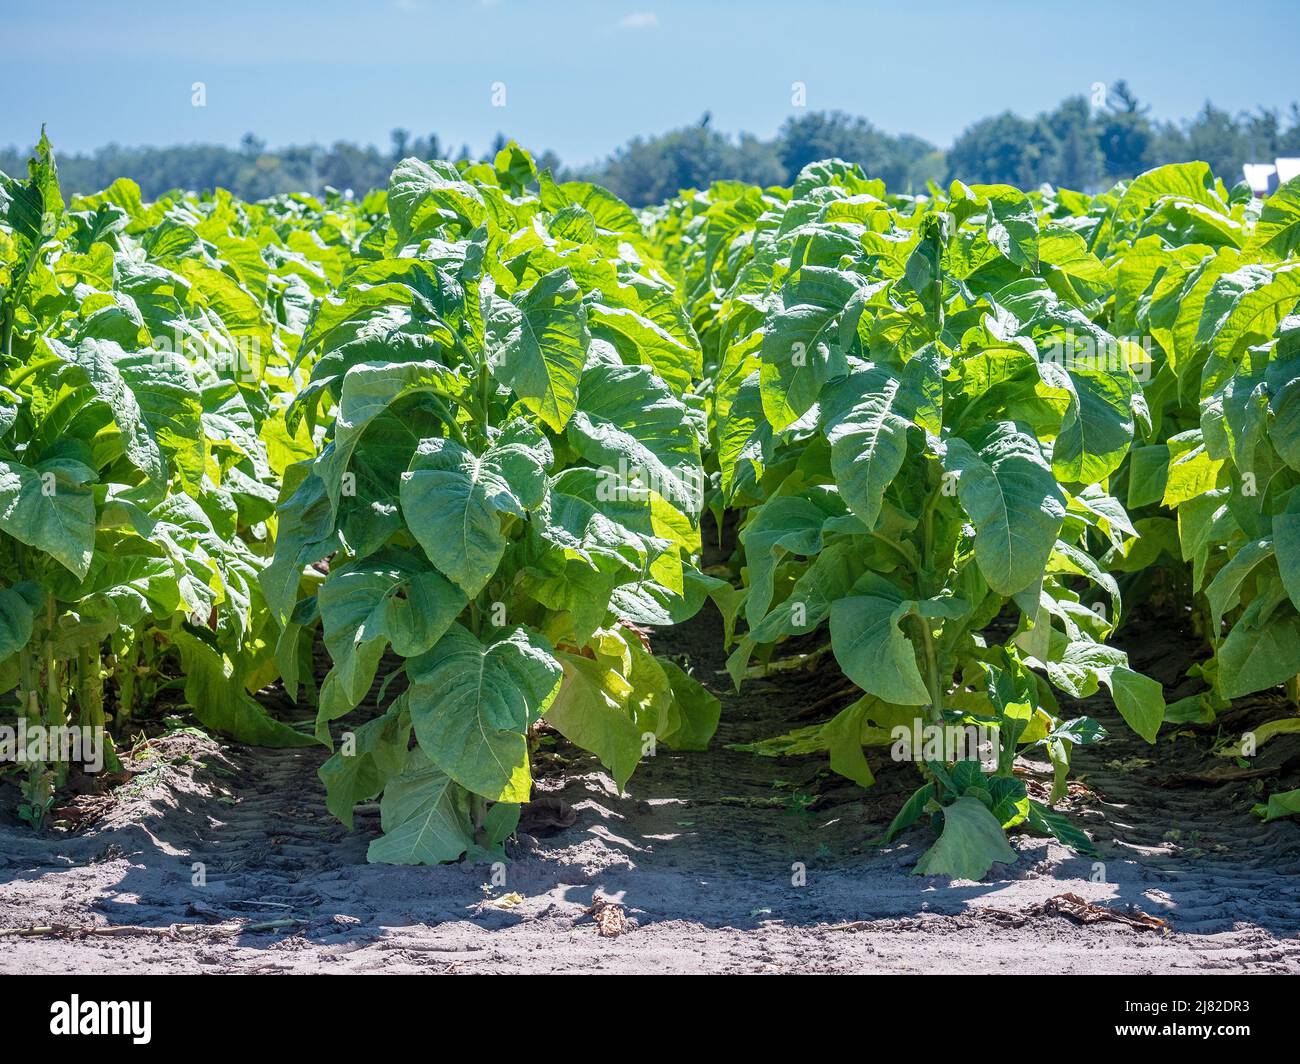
x=214 y=835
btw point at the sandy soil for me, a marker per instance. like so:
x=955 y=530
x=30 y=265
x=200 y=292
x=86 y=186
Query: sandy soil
x=699 y=856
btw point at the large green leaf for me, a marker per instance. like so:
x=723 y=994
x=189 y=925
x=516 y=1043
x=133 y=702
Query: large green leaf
x=631 y=425
x=452 y=500
x=1010 y=225
x=376 y=754
x=610 y=213
x=1246 y=307
x=1097 y=428
x=1277 y=232
x=786 y=525
x=50 y=507
x=1189 y=181
x=1013 y=501
x=1079 y=667
x=1224 y=591
x=216 y=294
x=866 y=417
x=389 y=598
x=590 y=711
x=425 y=817
x=537 y=344
x=15 y=621
x=646 y=325
x=829 y=577
x=155 y=403
x=971 y=843
x=214 y=688
x=368 y=390
x=873 y=651
x=744 y=438
x=843 y=737
x=1256 y=658
x=32 y=208
x=1139 y=699
x=694 y=714
x=1286 y=542
x=471 y=706
x=423 y=194
x=801 y=345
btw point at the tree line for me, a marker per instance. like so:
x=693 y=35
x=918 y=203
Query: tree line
x=1077 y=145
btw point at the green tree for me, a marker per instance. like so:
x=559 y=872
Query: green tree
x=1006 y=149
x=1127 y=135
x=1214 y=136
x=648 y=170
x=899 y=161
x=1079 y=157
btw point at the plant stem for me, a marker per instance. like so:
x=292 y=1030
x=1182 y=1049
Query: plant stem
x=53 y=690
x=90 y=690
x=30 y=701
x=926 y=589
x=54 y=715
x=477 y=810
x=932 y=681
x=10 y=302
x=126 y=687
x=449 y=419
x=29 y=697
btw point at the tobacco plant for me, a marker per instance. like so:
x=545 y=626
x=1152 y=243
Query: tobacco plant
x=507 y=492
x=926 y=476
x=1219 y=294
x=142 y=391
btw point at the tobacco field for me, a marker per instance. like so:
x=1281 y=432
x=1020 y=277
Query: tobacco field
x=419 y=479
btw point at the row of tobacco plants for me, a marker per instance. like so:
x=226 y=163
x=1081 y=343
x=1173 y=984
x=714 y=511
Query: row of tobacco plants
x=955 y=424
x=146 y=359
x=464 y=432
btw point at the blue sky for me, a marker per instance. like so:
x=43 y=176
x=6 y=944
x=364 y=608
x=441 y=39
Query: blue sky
x=582 y=76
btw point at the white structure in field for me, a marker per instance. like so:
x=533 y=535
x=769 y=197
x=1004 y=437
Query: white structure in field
x=1263 y=178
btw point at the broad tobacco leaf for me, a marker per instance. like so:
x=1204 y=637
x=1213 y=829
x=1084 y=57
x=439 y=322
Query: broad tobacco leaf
x=590 y=710
x=1014 y=502
x=873 y=651
x=387 y=599
x=471 y=705
x=867 y=416
x=630 y=424
x=425 y=817
x=971 y=843
x=453 y=500
x=537 y=344
x=50 y=507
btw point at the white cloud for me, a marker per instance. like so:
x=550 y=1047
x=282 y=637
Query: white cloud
x=641 y=20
